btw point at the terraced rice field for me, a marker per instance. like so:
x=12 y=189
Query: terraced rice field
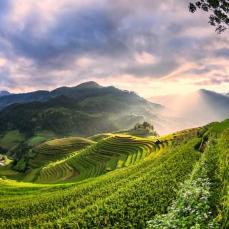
x=113 y=152
x=128 y=182
x=51 y=151
x=109 y=154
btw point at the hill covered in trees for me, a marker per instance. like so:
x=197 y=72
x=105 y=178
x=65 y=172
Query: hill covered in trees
x=84 y=110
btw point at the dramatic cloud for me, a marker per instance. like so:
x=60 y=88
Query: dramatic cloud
x=152 y=45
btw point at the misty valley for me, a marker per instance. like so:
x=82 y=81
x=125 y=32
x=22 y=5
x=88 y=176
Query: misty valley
x=100 y=157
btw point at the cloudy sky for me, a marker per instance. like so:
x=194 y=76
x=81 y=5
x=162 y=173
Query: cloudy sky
x=149 y=46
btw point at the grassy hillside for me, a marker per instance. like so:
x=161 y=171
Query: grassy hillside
x=175 y=181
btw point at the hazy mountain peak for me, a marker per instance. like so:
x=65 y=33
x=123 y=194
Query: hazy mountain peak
x=205 y=91
x=89 y=84
x=3 y=93
x=66 y=90
x=212 y=94
x=202 y=90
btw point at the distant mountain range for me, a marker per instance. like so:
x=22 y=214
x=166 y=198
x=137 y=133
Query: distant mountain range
x=4 y=93
x=86 y=109
x=90 y=108
x=77 y=92
x=196 y=108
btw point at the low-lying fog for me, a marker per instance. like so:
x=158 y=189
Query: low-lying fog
x=190 y=110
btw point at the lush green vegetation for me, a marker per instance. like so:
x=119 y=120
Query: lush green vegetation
x=84 y=110
x=30 y=119
x=6 y=168
x=11 y=139
x=51 y=151
x=202 y=201
x=122 y=181
x=141 y=130
x=109 y=154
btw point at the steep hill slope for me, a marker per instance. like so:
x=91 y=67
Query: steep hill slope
x=193 y=161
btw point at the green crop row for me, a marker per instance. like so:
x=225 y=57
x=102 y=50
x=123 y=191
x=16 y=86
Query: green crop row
x=124 y=182
x=124 y=198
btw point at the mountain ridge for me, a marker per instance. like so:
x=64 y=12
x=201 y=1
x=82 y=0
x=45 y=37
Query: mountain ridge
x=4 y=93
x=79 y=92
x=86 y=109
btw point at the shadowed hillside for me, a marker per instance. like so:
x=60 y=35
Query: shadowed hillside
x=84 y=110
x=4 y=93
x=78 y=93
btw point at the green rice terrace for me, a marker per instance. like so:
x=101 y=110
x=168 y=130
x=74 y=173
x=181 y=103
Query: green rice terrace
x=118 y=180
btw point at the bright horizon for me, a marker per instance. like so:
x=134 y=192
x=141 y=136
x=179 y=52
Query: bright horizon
x=153 y=48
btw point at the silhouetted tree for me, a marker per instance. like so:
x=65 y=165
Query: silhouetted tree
x=218 y=9
x=147 y=125
x=149 y=128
